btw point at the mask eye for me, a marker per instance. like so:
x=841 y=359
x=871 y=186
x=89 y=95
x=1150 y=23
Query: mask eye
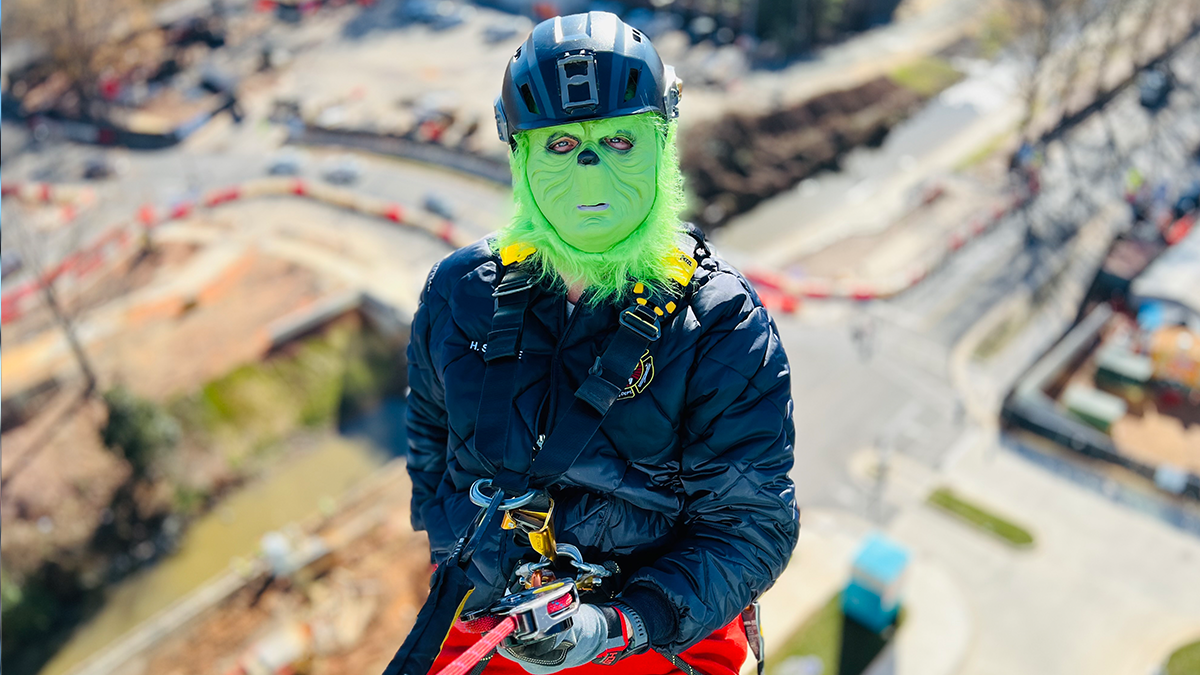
x=563 y=145
x=619 y=143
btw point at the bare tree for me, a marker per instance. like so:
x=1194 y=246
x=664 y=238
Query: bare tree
x=63 y=305
x=79 y=37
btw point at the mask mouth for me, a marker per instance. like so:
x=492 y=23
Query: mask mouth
x=593 y=208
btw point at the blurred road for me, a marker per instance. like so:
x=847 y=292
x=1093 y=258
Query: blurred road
x=902 y=397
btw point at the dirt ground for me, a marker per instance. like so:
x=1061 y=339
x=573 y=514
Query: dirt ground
x=1167 y=436
x=129 y=276
x=375 y=548
x=58 y=479
x=740 y=160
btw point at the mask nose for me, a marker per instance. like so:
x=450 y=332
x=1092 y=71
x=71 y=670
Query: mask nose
x=588 y=158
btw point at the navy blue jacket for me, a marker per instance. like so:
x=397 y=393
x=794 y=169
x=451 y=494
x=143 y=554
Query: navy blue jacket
x=685 y=486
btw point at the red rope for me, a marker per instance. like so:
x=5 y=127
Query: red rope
x=463 y=664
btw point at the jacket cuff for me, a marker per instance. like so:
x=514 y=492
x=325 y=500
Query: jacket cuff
x=656 y=612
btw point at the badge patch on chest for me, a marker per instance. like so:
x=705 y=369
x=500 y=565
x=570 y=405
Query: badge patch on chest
x=642 y=375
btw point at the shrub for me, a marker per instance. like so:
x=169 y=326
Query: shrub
x=137 y=428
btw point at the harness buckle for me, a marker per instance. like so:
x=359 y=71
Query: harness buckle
x=641 y=321
x=511 y=285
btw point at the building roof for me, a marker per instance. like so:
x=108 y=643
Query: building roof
x=1175 y=276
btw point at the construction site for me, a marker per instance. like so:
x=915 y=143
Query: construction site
x=221 y=224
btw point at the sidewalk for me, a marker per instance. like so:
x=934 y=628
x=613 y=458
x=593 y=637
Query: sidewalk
x=937 y=628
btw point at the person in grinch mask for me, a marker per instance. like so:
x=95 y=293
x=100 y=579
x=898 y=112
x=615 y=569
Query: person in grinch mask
x=596 y=353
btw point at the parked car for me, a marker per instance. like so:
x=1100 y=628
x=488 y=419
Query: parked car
x=287 y=163
x=437 y=205
x=343 y=171
x=1154 y=88
x=505 y=29
x=98 y=168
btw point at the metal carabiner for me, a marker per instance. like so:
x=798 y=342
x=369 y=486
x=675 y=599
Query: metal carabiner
x=478 y=498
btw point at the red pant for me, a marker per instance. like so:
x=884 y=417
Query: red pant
x=721 y=653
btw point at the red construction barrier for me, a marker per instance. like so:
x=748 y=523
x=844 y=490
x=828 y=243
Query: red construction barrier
x=446 y=232
x=864 y=294
x=778 y=302
x=13 y=302
x=1179 y=229
x=224 y=196
x=300 y=188
x=10 y=311
x=394 y=213
x=147 y=217
x=9 y=189
x=767 y=279
x=816 y=291
x=89 y=263
x=956 y=241
x=68 y=264
x=68 y=213
x=181 y=210
x=44 y=192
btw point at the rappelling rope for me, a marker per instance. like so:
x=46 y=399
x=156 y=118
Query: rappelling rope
x=480 y=650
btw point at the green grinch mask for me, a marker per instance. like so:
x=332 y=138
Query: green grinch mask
x=594 y=181
x=624 y=173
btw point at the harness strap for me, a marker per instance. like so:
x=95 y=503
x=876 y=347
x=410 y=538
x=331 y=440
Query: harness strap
x=640 y=325
x=503 y=359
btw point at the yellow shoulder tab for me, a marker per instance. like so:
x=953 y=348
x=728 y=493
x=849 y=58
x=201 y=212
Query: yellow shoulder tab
x=516 y=253
x=683 y=266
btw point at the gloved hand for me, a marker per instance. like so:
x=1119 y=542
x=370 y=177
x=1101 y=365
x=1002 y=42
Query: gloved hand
x=599 y=633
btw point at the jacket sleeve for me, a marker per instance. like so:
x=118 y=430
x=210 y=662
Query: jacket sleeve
x=426 y=417
x=741 y=518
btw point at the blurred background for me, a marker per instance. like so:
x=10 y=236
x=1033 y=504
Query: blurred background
x=973 y=221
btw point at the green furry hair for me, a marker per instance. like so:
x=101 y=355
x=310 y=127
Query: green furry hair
x=642 y=256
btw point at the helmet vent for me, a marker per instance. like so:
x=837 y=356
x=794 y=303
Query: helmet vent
x=578 y=93
x=637 y=36
x=577 y=81
x=517 y=55
x=530 y=102
x=631 y=83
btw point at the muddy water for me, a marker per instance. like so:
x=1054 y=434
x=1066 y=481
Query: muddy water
x=288 y=493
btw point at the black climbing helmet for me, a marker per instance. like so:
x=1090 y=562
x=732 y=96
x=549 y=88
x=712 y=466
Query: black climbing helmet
x=583 y=67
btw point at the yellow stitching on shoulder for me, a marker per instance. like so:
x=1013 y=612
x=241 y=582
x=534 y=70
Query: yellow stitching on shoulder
x=516 y=253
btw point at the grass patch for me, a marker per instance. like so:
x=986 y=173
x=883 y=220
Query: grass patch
x=946 y=500
x=820 y=637
x=1001 y=335
x=997 y=32
x=308 y=384
x=984 y=152
x=927 y=76
x=1186 y=661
